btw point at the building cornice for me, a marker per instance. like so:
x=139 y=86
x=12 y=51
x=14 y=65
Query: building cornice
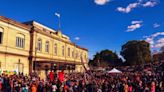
x=15 y=54
x=29 y=28
x=15 y=23
x=49 y=35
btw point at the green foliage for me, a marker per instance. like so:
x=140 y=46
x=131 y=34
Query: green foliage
x=105 y=58
x=136 y=52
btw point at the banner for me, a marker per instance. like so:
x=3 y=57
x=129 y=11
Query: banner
x=61 y=76
x=51 y=75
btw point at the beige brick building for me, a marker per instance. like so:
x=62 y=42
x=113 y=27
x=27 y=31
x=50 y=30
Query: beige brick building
x=25 y=47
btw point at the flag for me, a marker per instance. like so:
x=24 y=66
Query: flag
x=51 y=76
x=61 y=76
x=57 y=14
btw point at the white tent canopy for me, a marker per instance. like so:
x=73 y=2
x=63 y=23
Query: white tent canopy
x=114 y=70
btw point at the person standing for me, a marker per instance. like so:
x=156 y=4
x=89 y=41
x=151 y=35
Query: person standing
x=33 y=88
x=130 y=88
x=40 y=87
x=54 y=87
x=153 y=87
x=24 y=88
x=125 y=87
x=0 y=85
x=146 y=89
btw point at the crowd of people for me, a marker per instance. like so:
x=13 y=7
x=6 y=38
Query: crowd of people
x=90 y=81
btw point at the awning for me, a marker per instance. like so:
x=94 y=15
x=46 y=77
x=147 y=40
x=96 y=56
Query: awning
x=114 y=70
x=42 y=65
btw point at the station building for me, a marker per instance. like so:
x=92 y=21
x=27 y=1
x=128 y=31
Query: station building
x=31 y=46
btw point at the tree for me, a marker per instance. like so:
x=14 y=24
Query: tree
x=158 y=57
x=162 y=49
x=105 y=58
x=136 y=52
x=92 y=63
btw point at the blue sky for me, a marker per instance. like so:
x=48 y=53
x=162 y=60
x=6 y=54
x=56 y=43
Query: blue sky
x=99 y=24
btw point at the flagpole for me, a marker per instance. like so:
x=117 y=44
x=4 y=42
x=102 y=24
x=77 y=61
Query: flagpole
x=59 y=23
x=59 y=20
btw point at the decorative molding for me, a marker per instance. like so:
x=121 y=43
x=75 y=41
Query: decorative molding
x=15 y=23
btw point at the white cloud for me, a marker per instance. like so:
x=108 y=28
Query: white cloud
x=77 y=38
x=155 y=43
x=134 y=25
x=136 y=22
x=158 y=45
x=138 y=3
x=157 y=34
x=156 y=25
x=150 y=40
x=151 y=46
x=146 y=36
x=161 y=40
x=128 y=8
x=101 y=2
x=149 y=4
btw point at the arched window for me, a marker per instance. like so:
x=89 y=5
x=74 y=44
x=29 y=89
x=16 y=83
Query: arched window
x=39 y=44
x=63 y=51
x=77 y=54
x=68 y=52
x=1 y=35
x=47 y=46
x=20 y=40
x=55 y=49
x=72 y=53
